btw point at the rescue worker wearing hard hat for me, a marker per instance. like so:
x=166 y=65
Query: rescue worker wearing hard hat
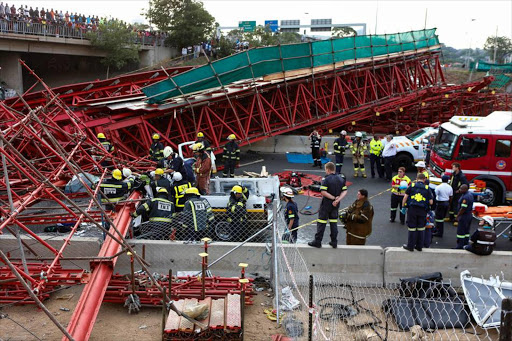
x=202 y=168
x=483 y=239
x=179 y=186
x=160 y=211
x=291 y=216
x=108 y=147
x=231 y=156
x=340 y=145
x=358 y=148
x=114 y=189
x=399 y=184
x=237 y=213
x=196 y=217
x=156 y=150
x=201 y=139
x=172 y=162
x=420 y=166
x=160 y=181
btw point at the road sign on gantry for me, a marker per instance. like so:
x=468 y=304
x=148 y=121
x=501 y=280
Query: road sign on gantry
x=272 y=25
x=247 y=26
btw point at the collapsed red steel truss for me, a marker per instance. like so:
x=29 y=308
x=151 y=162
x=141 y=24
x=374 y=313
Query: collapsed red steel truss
x=48 y=136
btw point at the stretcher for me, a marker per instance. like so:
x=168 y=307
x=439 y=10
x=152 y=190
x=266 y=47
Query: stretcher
x=502 y=217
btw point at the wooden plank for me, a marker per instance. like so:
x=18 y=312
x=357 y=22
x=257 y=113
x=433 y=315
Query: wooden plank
x=330 y=67
x=186 y=325
x=233 y=318
x=173 y=320
x=217 y=314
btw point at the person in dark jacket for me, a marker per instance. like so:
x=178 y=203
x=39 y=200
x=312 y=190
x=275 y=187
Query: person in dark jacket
x=456 y=180
x=196 y=217
x=160 y=182
x=156 y=150
x=340 y=145
x=236 y=211
x=160 y=211
x=231 y=156
x=291 y=216
x=316 y=139
x=483 y=239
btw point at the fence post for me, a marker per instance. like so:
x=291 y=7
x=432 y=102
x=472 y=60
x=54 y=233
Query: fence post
x=275 y=275
x=310 y=325
x=506 y=320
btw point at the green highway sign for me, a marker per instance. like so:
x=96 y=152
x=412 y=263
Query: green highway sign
x=247 y=26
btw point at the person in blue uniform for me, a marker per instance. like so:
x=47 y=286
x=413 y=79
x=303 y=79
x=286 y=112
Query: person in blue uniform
x=291 y=216
x=417 y=199
x=464 y=216
x=316 y=139
x=333 y=190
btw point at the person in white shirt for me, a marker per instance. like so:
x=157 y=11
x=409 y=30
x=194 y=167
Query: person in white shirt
x=444 y=193
x=388 y=154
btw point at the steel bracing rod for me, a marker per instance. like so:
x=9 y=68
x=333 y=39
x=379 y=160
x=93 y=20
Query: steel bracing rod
x=67 y=240
x=11 y=205
x=34 y=297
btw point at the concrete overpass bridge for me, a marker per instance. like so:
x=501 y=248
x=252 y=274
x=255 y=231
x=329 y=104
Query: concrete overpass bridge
x=61 y=56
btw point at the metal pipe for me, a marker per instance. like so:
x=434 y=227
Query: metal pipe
x=34 y=297
x=274 y=251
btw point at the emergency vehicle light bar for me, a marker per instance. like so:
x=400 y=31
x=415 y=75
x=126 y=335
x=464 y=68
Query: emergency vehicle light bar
x=462 y=121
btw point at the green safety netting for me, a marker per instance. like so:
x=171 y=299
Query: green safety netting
x=500 y=81
x=268 y=60
x=485 y=66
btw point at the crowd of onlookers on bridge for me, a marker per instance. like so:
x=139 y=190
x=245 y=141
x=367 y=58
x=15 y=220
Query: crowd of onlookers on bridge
x=27 y=20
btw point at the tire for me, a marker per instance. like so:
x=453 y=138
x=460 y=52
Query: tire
x=494 y=194
x=223 y=231
x=402 y=160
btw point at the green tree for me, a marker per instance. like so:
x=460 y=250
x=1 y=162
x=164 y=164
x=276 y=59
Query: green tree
x=345 y=31
x=499 y=46
x=187 y=22
x=117 y=40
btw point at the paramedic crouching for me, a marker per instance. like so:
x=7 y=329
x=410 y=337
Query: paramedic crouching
x=483 y=240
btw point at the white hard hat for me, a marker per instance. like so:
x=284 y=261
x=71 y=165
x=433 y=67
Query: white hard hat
x=420 y=164
x=488 y=219
x=152 y=173
x=176 y=176
x=127 y=172
x=287 y=192
x=343 y=132
x=359 y=134
x=167 y=151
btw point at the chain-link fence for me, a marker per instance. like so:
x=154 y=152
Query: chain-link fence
x=331 y=307
x=197 y=219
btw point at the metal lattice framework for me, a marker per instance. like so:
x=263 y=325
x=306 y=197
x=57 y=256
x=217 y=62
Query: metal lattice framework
x=48 y=136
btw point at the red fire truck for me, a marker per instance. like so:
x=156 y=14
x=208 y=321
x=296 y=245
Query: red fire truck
x=482 y=146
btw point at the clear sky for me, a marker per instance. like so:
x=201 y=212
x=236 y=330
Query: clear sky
x=460 y=23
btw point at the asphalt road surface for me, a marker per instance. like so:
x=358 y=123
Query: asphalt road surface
x=384 y=233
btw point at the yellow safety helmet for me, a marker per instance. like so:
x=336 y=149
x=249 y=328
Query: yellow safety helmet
x=159 y=171
x=117 y=174
x=200 y=134
x=162 y=190
x=192 y=190
x=198 y=147
x=237 y=189
x=232 y=137
x=101 y=136
x=156 y=137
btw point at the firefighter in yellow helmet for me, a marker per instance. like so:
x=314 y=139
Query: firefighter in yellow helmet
x=204 y=141
x=114 y=189
x=156 y=150
x=237 y=214
x=160 y=211
x=358 y=149
x=231 y=156
x=106 y=146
